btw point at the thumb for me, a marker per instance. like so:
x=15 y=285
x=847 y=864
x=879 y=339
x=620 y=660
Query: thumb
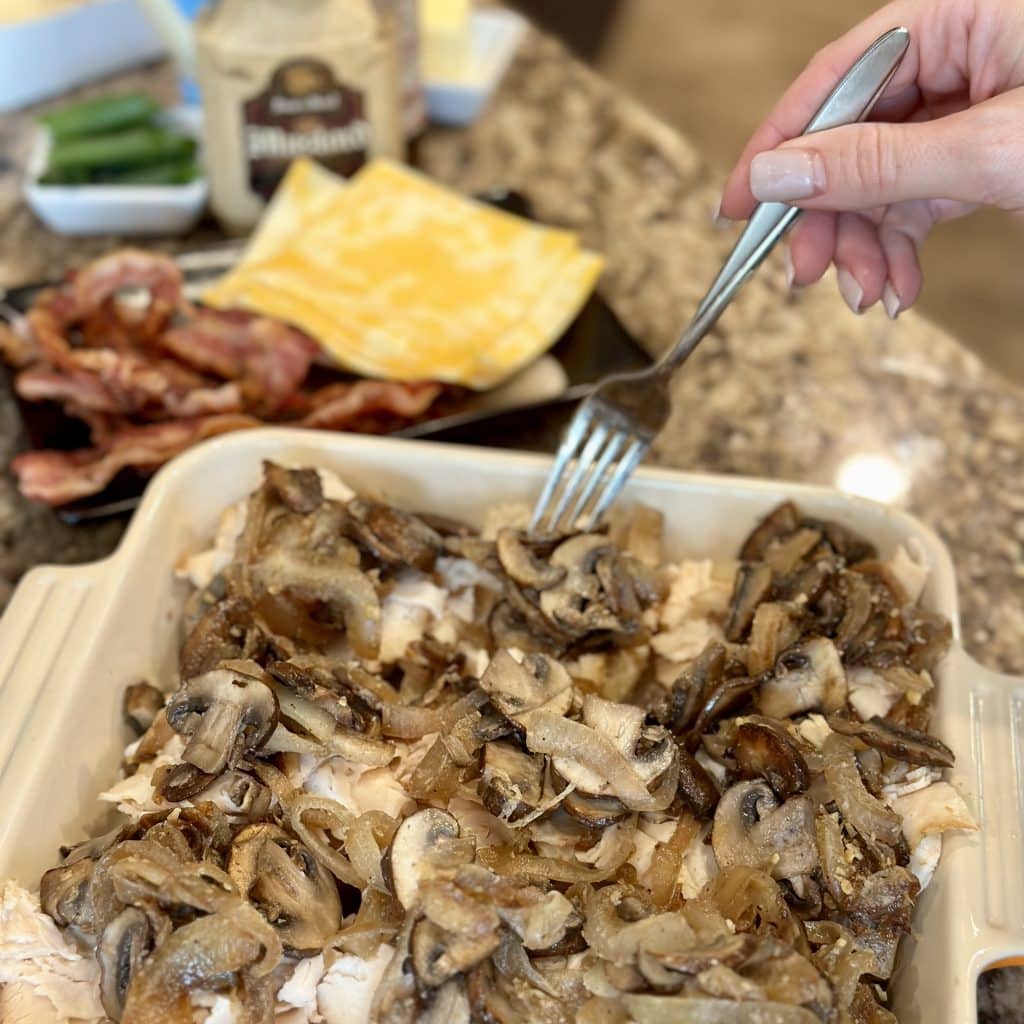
x=862 y=166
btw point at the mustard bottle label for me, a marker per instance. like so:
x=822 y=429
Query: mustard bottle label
x=303 y=111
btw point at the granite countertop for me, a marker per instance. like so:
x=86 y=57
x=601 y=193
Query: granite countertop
x=791 y=387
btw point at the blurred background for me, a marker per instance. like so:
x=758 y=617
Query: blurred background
x=712 y=68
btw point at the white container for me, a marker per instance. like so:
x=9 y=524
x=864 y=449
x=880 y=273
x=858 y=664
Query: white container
x=73 y=637
x=48 y=55
x=118 y=209
x=458 y=97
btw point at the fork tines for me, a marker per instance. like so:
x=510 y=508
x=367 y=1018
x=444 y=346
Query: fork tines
x=592 y=466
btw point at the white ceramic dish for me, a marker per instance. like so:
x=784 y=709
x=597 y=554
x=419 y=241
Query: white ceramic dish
x=64 y=48
x=118 y=209
x=73 y=637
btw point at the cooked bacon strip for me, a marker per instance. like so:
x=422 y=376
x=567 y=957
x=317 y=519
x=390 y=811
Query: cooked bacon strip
x=148 y=392
x=18 y=347
x=50 y=342
x=100 y=280
x=57 y=478
x=85 y=390
x=105 y=380
x=58 y=302
x=125 y=328
x=342 y=406
x=270 y=358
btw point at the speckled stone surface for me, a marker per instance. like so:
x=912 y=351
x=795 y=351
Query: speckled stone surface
x=788 y=387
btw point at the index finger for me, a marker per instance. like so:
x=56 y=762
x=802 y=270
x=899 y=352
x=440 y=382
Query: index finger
x=801 y=101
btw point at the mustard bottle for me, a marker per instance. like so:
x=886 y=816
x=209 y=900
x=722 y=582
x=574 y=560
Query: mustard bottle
x=287 y=78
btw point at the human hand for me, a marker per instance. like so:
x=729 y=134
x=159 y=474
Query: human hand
x=946 y=137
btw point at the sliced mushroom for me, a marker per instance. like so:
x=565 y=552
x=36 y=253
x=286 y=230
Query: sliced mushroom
x=897 y=741
x=741 y=808
x=679 y=710
x=788 y=835
x=726 y=695
x=125 y=943
x=233 y=949
x=497 y=998
x=696 y=787
x=239 y=795
x=753 y=585
x=286 y=883
x=147 y=872
x=763 y=750
x=140 y=705
x=205 y=828
x=523 y=566
x=807 y=677
x=536 y=683
x=64 y=893
x=786 y=554
x=855 y=597
x=305 y=596
x=509 y=628
x=305 y=727
x=777 y=626
x=594 y=596
x=596 y=812
x=780 y=522
x=174 y=783
x=424 y=841
x=226 y=714
x=803 y=895
x=845 y=542
x=394 y=537
x=812 y=579
x=511 y=781
x=299 y=489
x=225 y=631
x=752 y=830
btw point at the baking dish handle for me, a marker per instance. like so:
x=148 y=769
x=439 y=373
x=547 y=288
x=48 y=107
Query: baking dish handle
x=46 y=622
x=972 y=917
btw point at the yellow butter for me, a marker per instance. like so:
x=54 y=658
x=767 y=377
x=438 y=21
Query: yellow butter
x=398 y=277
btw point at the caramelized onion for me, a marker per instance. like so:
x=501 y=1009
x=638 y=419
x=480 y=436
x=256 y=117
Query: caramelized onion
x=644 y=1009
x=548 y=733
x=857 y=806
x=315 y=820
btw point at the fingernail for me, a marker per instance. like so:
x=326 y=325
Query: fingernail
x=718 y=219
x=782 y=175
x=851 y=291
x=891 y=301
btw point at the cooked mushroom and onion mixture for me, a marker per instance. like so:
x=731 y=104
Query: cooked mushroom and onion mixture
x=412 y=772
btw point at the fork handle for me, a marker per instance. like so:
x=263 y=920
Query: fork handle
x=849 y=102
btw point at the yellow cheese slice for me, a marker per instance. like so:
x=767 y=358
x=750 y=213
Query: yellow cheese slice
x=398 y=277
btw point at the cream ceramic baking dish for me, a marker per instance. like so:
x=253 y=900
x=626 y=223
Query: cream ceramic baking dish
x=73 y=637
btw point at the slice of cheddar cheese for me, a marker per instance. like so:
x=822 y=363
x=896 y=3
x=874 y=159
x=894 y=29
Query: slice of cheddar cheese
x=398 y=277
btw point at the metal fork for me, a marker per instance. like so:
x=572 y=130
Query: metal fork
x=615 y=426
